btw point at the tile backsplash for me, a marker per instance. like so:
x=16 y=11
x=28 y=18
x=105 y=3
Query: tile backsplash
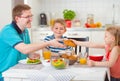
x=105 y=11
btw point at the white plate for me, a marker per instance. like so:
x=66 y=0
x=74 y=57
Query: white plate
x=24 y=61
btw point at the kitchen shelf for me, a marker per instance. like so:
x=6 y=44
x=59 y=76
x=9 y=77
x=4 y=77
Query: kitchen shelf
x=69 y=29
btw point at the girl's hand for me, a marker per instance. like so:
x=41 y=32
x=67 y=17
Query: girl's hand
x=90 y=63
x=75 y=41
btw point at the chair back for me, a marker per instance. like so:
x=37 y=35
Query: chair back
x=78 y=49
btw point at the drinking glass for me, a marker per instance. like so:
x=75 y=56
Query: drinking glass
x=46 y=54
x=82 y=58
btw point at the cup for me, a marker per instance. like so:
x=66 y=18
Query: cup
x=46 y=54
x=83 y=58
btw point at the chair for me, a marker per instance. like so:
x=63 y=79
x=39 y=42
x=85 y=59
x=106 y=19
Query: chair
x=78 y=49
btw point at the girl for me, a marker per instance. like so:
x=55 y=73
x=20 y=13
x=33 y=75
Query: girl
x=112 y=47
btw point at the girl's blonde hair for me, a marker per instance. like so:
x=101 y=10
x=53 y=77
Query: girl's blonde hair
x=61 y=21
x=115 y=31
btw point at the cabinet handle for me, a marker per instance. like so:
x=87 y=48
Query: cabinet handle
x=75 y=34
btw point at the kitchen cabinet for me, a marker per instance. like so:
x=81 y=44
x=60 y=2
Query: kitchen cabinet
x=38 y=35
x=96 y=35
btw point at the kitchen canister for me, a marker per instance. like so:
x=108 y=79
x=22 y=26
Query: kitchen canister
x=90 y=19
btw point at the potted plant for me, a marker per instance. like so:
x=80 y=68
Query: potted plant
x=68 y=16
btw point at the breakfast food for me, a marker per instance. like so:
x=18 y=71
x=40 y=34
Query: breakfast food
x=58 y=63
x=33 y=61
x=72 y=58
x=69 y=42
x=65 y=56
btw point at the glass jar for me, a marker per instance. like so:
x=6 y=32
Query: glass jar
x=90 y=19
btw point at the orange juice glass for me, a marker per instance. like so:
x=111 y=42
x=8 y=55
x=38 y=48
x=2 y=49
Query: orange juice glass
x=83 y=60
x=46 y=54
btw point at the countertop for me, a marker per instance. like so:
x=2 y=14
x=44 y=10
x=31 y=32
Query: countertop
x=70 y=29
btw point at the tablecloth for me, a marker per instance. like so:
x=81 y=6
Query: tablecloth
x=58 y=75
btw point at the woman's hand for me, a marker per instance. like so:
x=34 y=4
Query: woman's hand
x=90 y=63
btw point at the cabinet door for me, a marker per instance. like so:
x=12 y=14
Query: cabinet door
x=97 y=36
x=38 y=36
x=78 y=34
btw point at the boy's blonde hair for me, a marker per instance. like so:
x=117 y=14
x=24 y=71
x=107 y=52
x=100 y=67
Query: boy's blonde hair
x=61 y=21
x=115 y=31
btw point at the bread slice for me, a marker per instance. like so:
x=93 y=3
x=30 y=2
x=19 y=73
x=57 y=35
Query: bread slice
x=69 y=42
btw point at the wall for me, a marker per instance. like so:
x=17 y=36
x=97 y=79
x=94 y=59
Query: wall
x=102 y=9
x=16 y=2
x=5 y=12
